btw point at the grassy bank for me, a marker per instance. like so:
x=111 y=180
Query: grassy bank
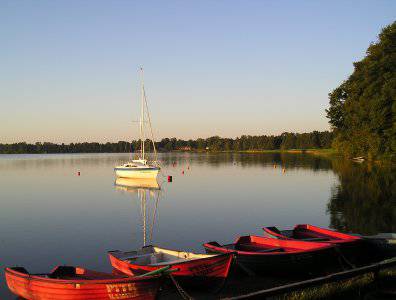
x=327 y=151
x=361 y=287
x=310 y=151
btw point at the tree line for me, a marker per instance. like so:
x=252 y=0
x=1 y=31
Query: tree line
x=284 y=141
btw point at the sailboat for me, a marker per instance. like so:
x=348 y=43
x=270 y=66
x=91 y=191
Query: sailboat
x=141 y=167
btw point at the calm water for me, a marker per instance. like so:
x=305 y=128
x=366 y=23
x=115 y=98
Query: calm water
x=51 y=216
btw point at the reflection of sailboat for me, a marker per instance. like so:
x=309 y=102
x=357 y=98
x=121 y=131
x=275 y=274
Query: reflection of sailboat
x=190 y=268
x=148 y=191
x=130 y=184
x=141 y=167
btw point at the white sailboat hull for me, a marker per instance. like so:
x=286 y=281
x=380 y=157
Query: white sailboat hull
x=136 y=172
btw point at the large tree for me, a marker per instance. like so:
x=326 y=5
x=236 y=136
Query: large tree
x=362 y=109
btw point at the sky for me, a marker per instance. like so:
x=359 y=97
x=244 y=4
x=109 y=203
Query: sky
x=69 y=69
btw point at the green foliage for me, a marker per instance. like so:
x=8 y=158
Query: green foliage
x=362 y=109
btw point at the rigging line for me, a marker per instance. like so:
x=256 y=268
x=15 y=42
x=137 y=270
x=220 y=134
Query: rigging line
x=149 y=120
x=130 y=153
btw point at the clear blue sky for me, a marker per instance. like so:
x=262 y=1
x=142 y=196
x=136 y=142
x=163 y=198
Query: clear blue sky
x=68 y=69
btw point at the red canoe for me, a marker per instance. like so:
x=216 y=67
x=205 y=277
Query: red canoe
x=310 y=233
x=255 y=254
x=190 y=268
x=75 y=283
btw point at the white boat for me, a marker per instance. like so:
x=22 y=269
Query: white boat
x=359 y=159
x=141 y=167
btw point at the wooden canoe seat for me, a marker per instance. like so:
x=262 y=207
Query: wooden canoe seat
x=170 y=262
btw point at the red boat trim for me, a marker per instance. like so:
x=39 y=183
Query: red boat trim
x=343 y=237
x=36 y=277
x=93 y=285
x=333 y=237
x=313 y=247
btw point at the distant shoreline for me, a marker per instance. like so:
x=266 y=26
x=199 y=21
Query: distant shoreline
x=327 y=151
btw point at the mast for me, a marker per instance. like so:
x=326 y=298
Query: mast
x=142 y=118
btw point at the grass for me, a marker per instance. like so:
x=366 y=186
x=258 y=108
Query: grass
x=352 y=289
x=328 y=151
x=315 y=151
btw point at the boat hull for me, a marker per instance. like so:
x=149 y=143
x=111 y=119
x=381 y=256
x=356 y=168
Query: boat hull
x=140 y=173
x=33 y=287
x=291 y=262
x=350 y=246
x=210 y=271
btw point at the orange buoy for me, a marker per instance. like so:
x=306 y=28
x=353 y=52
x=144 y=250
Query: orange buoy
x=284 y=170
x=78 y=173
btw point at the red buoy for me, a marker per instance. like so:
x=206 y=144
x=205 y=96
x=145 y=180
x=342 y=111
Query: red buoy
x=169 y=178
x=78 y=173
x=183 y=172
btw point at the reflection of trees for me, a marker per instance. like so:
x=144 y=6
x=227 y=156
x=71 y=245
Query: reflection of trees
x=365 y=199
x=289 y=160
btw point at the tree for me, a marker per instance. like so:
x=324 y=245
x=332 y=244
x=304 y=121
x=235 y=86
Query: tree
x=362 y=109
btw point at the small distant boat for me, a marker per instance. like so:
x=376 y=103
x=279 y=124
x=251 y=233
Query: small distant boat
x=310 y=233
x=141 y=167
x=383 y=244
x=358 y=159
x=138 y=168
x=255 y=254
x=188 y=267
x=67 y=282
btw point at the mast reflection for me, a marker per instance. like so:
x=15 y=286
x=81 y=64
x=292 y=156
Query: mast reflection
x=148 y=193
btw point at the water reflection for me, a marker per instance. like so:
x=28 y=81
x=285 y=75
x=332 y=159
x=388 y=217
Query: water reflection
x=216 y=160
x=364 y=200
x=219 y=196
x=148 y=193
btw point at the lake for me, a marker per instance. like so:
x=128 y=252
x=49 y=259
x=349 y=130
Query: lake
x=52 y=216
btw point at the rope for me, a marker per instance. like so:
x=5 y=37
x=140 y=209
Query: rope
x=182 y=292
x=342 y=258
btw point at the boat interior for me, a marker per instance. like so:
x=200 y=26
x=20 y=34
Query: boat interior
x=308 y=235
x=156 y=256
x=302 y=234
x=253 y=247
x=268 y=245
